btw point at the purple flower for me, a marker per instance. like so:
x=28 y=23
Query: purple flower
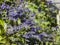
x=7 y=7
x=25 y=36
x=18 y=8
x=28 y=21
x=10 y=18
x=33 y=29
x=49 y=2
x=21 y=0
x=29 y=34
x=43 y=34
x=37 y=28
x=25 y=25
x=20 y=27
x=26 y=10
x=3 y=6
x=9 y=30
x=12 y=13
x=36 y=37
x=15 y=29
x=20 y=14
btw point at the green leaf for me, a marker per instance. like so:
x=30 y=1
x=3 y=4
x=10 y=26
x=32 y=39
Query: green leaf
x=13 y=44
x=3 y=41
x=1 y=38
x=1 y=1
x=19 y=21
x=7 y=0
x=2 y=23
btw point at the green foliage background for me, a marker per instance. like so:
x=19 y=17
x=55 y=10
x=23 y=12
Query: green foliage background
x=44 y=18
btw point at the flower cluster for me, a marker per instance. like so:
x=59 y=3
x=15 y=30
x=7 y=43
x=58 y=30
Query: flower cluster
x=28 y=21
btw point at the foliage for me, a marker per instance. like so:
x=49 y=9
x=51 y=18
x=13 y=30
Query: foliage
x=29 y=22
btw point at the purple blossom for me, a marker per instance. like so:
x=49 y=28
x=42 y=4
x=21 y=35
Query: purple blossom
x=37 y=28
x=11 y=18
x=20 y=27
x=25 y=36
x=49 y=2
x=15 y=29
x=33 y=29
x=36 y=37
x=25 y=25
x=7 y=7
x=12 y=13
x=20 y=14
x=29 y=34
x=18 y=8
x=43 y=34
x=26 y=10
x=21 y=0
x=3 y=6
x=9 y=30
x=28 y=21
